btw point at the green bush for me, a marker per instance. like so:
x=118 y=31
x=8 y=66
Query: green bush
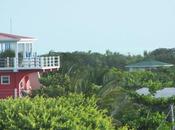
x=73 y=112
x=7 y=53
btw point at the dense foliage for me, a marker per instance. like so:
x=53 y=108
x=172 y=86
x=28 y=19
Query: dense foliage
x=162 y=54
x=72 y=112
x=90 y=59
x=103 y=76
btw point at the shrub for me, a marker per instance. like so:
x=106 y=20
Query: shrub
x=7 y=53
x=72 y=112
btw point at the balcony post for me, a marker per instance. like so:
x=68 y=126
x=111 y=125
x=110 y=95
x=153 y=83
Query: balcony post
x=58 y=61
x=46 y=61
x=15 y=61
x=50 y=59
x=16 y=58
x=8 y=63
x=53 y=61
x=41 y=61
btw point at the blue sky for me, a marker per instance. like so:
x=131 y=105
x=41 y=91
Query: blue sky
x=81 y=25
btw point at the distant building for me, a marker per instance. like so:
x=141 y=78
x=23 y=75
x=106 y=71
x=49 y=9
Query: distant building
x=19 y=74
x=147 y=65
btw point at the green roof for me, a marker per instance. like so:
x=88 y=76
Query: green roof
x=149 y=64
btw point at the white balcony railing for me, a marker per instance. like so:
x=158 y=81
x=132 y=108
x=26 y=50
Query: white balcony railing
x=30 y=63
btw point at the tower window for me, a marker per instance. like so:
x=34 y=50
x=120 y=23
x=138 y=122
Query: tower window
x=5 y=80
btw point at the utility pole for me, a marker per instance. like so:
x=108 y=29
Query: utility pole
x=11 y=25
x=172 y=115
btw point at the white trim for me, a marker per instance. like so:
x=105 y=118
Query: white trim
x=33 y=63
x=26 y=41
x=28 y=68
x=5 y=76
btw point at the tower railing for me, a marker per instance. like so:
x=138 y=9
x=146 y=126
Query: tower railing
x=30 y=62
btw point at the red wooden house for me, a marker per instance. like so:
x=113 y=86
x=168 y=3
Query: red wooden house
x=21 y=72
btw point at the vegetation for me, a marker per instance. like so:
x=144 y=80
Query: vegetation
x=102 y=77
x=72 y=112
x=7 y=53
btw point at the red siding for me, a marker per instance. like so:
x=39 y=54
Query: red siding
x=15 y=79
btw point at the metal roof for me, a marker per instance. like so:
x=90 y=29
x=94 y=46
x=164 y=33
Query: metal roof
x=149 y=64
x=12 y=37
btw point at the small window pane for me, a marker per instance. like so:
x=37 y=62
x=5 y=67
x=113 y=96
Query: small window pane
x=5 y=79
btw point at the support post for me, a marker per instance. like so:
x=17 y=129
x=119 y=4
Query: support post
x=15 y=93
x=41 y=61
x=2 y=47
x=53 y=61
x=50 y=59
x=46 y=61
x=15 y=61
x=8 y=62
x=16 y=58
x=172 y=115
x=59 y=61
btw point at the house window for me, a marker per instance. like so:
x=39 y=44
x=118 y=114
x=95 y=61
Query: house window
x=7 y=46
x=5 y=80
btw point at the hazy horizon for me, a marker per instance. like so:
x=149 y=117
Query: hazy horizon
x=75 y=25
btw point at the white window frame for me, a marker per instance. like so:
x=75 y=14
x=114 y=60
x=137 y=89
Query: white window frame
x=5 y=76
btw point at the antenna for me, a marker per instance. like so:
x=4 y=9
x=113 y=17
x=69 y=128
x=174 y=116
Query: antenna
x=10 y=25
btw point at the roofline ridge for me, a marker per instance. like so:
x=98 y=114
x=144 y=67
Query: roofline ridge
x=17 y=37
